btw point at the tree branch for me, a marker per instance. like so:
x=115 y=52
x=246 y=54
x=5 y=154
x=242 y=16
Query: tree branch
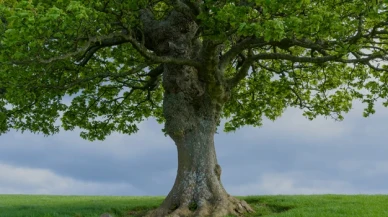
x=76 y=82
x=149 y=85
x=160 y=59
x=260 y=42
x=319 y=45
x=237 y=49
x=154 y=75
x=92 y=42
x=243 y=72
x=100 y=44
x=95 y=43
x=324 y=59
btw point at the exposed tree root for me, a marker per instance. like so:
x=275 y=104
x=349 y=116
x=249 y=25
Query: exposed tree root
x=227 y=205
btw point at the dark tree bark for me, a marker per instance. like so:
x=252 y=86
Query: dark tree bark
x=192 y=115
x=192 y=105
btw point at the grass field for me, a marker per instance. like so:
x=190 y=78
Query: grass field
x=271 y=206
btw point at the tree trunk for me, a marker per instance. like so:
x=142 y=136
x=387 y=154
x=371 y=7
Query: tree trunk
x=197 y=190
x=192 y=115
x=192 y=106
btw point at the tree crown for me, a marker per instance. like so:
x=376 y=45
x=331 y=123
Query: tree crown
x=270 y=55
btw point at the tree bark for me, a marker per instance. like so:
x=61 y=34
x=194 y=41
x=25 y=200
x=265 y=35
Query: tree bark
x=192 y=105
x=198 y=190
x=192 y=115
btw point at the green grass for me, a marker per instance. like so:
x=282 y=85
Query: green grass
x=74 y=206
x=271 y=206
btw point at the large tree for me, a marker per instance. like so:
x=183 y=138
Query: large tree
x=189 y=63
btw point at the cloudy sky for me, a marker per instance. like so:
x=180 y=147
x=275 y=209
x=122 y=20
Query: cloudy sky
x=289 y=156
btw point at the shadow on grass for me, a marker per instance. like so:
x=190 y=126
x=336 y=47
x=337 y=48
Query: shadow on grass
x=263 y=208
x=138 y=211
x=278 y=208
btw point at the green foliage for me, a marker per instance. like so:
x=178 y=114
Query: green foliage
x=326 y=88
x=38 y=85
x=67 y=60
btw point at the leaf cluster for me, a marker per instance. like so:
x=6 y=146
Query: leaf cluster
x=88 y=65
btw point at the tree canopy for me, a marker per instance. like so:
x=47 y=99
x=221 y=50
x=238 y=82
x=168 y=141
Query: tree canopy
x=89 y=63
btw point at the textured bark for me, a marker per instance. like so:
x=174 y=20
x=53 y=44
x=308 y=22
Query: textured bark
x=192 y=105
x=197 y=190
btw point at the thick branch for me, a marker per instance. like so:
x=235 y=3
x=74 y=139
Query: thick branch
x=259 y=42
x=149 y=85
x=108 y=39
x=334 y=58
x=323 y=47
x=155 y=72
x=237 y=49
x=101 y=44
x=243 y=72
x=160 y=59
x=319 y=45
x=95 y=43
x=154 y=75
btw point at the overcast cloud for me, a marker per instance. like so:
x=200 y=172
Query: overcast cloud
x=289 y=156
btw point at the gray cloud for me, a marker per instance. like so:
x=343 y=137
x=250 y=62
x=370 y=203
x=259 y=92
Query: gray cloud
x=289 y=156
x=19 y=180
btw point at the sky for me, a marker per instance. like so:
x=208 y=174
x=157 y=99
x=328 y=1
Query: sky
x=291 y=155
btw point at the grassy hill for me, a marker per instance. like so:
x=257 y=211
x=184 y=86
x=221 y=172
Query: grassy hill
x=118 y=206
